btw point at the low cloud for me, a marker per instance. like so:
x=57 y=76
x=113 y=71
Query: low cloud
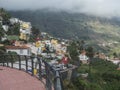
x=107 y=8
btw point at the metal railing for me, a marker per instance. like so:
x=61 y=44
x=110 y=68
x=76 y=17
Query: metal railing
x=35 y=66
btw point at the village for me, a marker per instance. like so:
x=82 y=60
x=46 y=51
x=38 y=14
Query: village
x=44 y=45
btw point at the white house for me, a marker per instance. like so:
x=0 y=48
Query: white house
x=3 y=39
x=20 y=50
x=14 y=20
x=5 y=27
x=43 y=33
x=48 y=42
x=116 y=62
x=83 y=58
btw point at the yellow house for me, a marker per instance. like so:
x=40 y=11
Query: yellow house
x=25 y=25
x=37 y=44
x=43 y=48
x=23 y=36
x=54 y=41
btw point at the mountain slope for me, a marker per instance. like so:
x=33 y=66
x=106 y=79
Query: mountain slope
x=93 y=29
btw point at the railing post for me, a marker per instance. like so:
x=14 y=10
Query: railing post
x=48 y=83
x=32 y=64
x=11 y=61
x=26 y=62
x=57 y=81
x=4 y=61
x=40 y=69
x=19 y=63
x=7 y=61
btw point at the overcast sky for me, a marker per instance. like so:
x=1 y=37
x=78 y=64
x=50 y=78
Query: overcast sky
x=94 y=7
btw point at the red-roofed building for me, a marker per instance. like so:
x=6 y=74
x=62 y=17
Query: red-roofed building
x=20 y=50
x=65 y=60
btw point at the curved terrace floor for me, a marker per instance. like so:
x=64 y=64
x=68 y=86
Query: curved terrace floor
x=12 y=79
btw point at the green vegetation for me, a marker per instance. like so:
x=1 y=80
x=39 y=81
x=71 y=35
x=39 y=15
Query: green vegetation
x=113 y=51
x=1 y=32
x=14 y=29
x=35 y=32
x=7 y=57
x=104 y=76
x=13 y=57
x=13 y=37
x=5 y=15
x=73 y=54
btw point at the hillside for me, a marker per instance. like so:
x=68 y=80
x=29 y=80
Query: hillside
x=94 y=30
x=62 y=24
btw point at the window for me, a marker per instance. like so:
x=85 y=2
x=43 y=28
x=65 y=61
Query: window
x=21 y=51
x=28 y=51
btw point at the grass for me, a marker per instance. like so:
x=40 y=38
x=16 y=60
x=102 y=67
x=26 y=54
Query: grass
x=13 y=37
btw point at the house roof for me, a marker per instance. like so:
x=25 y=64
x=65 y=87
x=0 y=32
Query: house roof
x=16 y=47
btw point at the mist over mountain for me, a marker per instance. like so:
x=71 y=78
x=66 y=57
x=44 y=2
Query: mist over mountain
x=102 y=8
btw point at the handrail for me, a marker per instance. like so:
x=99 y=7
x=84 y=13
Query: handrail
x=52 y=77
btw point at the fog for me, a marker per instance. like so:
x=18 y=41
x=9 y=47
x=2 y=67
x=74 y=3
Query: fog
x=107 y=8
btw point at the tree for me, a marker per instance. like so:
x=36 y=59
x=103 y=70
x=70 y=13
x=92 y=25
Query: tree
x=115 y=55
x=1 y=32
x=14 y=30
x=73 y=52
x=5 y=15
x=81 y=45
x=35 y=32
x=2 y=51
x=90 y=54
